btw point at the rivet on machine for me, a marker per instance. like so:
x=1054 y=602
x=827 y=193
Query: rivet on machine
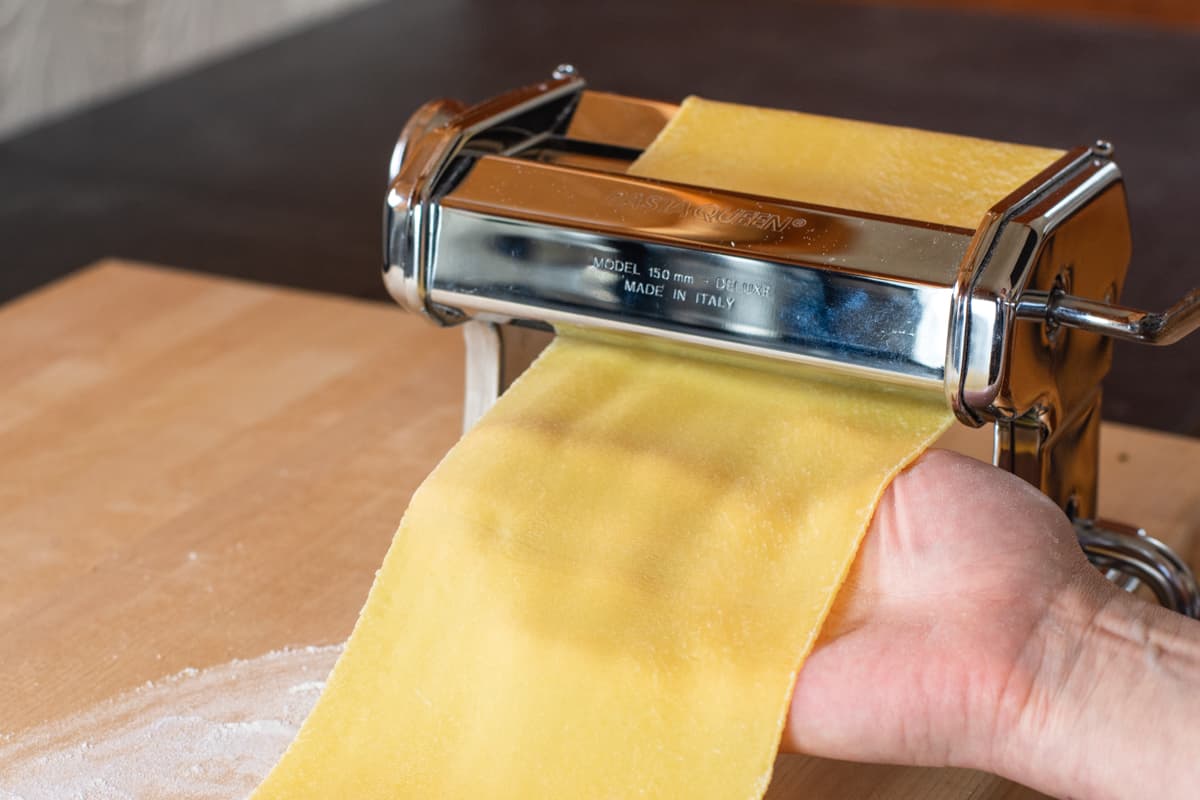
x=991 y=315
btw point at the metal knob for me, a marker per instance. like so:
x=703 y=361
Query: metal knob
x=1130 y=558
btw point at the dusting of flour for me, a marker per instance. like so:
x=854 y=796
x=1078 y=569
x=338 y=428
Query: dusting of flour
x=200 y=734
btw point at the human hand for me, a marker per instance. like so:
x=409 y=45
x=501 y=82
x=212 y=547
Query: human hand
x=973 y=632
x=930 y=637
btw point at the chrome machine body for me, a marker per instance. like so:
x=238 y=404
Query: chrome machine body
x=517 y=214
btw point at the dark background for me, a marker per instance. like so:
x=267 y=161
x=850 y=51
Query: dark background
x=270 y=165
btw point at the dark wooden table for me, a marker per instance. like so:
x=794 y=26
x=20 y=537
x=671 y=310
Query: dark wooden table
x=269 y=165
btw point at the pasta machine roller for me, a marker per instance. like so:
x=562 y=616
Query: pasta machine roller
x=517 y=214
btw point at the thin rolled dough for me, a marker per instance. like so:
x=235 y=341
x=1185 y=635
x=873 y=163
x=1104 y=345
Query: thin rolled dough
x=607 y=587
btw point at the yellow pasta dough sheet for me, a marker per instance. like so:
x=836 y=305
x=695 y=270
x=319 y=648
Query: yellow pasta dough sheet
x=881 y=169
x=607 y=587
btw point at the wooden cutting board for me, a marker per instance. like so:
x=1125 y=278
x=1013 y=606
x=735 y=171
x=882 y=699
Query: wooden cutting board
x=196 y=469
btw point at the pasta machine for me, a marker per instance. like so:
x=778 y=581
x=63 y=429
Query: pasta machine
x=517 y=213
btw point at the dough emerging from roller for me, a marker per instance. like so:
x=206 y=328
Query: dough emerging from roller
x=607 y=587
x=881 y=169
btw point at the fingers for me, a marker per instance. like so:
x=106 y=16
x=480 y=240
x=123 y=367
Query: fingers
x=960 y=562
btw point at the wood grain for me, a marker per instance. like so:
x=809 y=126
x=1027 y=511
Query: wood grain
x=195 y=469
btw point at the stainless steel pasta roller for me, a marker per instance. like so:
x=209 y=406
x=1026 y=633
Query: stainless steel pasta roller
x=517 y=214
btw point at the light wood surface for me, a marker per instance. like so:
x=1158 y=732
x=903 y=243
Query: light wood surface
x=194 y=470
